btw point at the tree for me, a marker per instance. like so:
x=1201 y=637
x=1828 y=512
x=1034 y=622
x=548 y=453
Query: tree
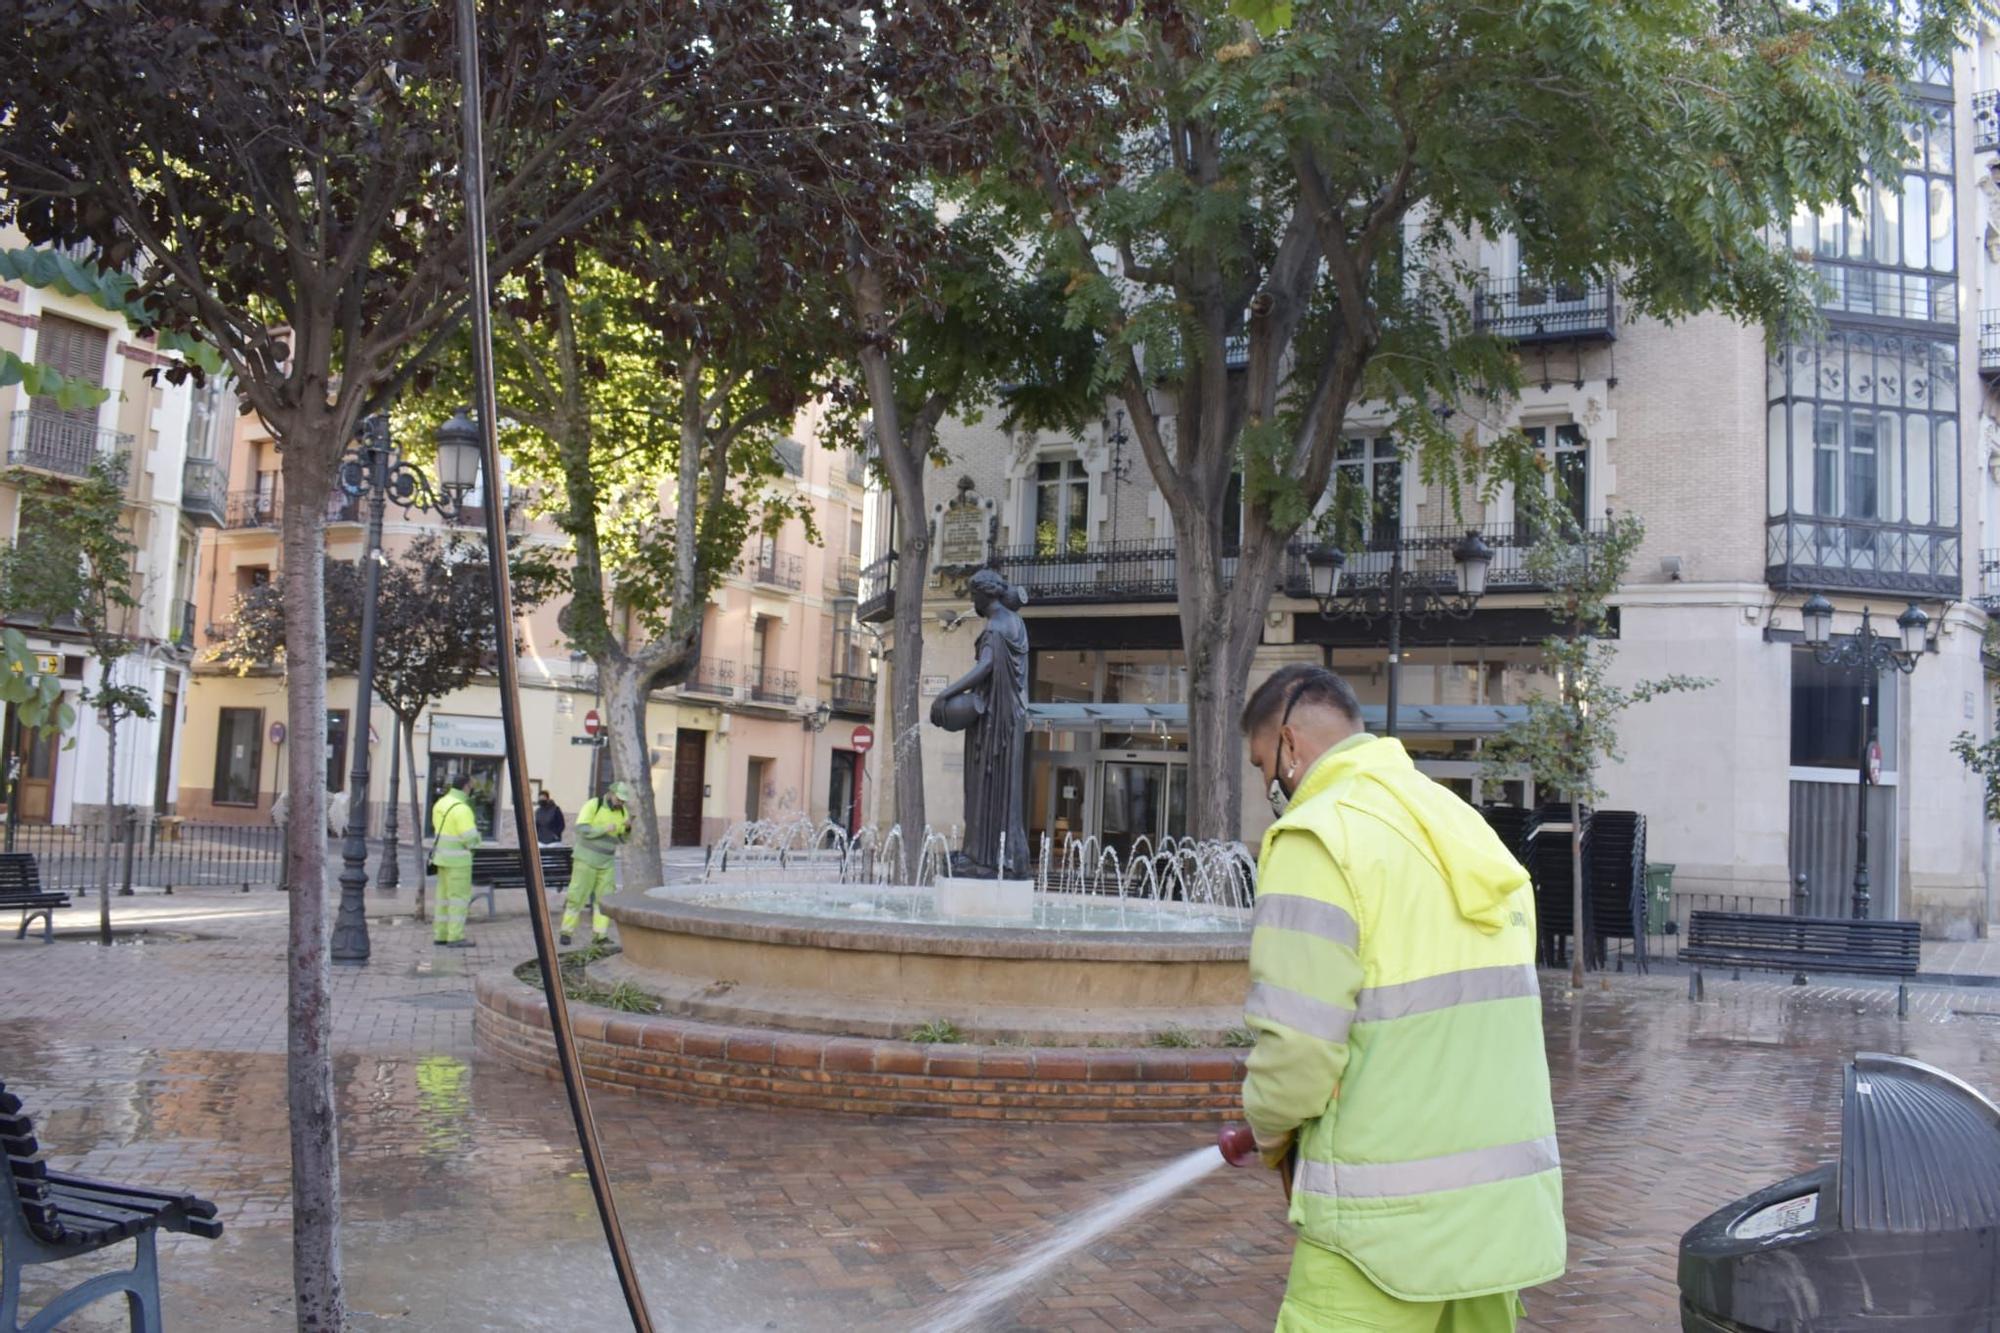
x=1289 y=188
x=1565 y=741
x=281 y=175
x=434 y=630
x=72 y=565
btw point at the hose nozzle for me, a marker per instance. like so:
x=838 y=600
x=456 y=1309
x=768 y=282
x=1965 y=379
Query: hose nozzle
x=1237 y=1145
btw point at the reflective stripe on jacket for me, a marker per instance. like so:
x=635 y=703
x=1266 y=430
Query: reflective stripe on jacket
x=457 y=830
x=599 y=830
x=1399 y=1035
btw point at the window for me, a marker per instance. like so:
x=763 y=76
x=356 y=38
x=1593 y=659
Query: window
x=1826 y=715
x=847 y=655
x=74 y=350
x=1368 y=487
x=205 y=418
x=760 y=648
x=854 y=535
x=1568 y=453
x=239 y=756
x=1062 y=507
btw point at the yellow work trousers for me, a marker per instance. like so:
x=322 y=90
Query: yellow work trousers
x=454 y=899
x=588 y=886
x=1328 y=1294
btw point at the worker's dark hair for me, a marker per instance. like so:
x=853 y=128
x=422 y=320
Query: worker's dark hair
x=1300 y=683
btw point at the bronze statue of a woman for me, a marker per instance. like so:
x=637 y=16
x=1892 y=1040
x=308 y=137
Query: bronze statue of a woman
x=990 y=705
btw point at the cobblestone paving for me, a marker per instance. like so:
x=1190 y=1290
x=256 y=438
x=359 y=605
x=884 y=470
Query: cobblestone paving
x=161 y=1061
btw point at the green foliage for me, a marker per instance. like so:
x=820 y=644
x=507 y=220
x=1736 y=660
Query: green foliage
x=939 y=1031
x=106 y=288
x=1984 y=761
x=1239 y=1038
x=1174 y=1037
x=31 y=694
x=1565 y=739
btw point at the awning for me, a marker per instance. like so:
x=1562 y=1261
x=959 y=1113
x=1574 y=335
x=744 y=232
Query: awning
x=1412 y=719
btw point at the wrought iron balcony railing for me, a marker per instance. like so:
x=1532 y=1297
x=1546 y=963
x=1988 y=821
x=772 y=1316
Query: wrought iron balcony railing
x=878 y=591
x=1985 y=121
x=1881 y=293
x=778 y=570
x=52 y=442
x=1989 y=342
x=772 y=685
x=204 y=491
x=1106 y=572
x=183 y=627
x=1429 y=557
x=262 y=507
x=1989 y=581
x=854 y=694
x=1857 y=555
x=1541 y=310
x=843 y=574
x=712 y=675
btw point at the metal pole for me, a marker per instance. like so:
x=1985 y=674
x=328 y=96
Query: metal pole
x=472 y=180
x=389 y=874
x=350 y=923
x=1395 y=631
x=1868 y=687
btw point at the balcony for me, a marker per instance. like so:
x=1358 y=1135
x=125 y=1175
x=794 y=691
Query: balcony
x=261 y=508
x=854 y=695
x=1985 y=121
x=712 y=676
x=878 y=591
x=204 y=491
x=1989 y=582
x=1854 y=555
x=1864 y=292
x=182 y=630
x=1531 y=310
x=1989 y=343
x=856 y=469
x=770 y=685
x=843 y=574
x=1106 y=572
x=1430 y=558
x=777 y=570
x=51 y=442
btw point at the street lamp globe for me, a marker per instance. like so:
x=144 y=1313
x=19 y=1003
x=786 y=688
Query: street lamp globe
x=1818 y=616
x=1915 y=626
x=459 y=453
x=1323 y=564
x=1474 y=557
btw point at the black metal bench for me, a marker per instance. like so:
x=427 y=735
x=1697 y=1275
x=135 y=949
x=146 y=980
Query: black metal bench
x=1802 y=944
x=496 y=868
x=21 y=887
x=49 y=1216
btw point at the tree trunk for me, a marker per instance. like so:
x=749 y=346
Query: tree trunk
x=409 y=730
x=1576 y=893
x=906 y=718
x=315 y=1142
x=1221 y=626
x=625 y=692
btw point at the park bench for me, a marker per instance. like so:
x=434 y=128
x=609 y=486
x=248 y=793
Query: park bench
x=48 y=1216
x=21 y=887
x=496 y=868
x=1802 y=944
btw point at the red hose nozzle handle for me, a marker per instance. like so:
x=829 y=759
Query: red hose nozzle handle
x=1237 y=1145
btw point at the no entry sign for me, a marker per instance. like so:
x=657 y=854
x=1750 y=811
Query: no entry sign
x=592 y=723
x=864 y=740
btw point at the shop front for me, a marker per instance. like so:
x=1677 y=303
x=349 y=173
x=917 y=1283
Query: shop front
x=470 y=752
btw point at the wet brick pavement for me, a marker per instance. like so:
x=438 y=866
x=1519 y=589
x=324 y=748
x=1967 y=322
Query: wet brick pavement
x=162 y=1062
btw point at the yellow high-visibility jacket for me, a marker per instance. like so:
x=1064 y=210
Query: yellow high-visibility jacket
x=457 y=829
x=1399 y=1034
x=599 y=831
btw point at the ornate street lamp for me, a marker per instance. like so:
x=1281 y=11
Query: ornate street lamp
x=1866 y=654
x=372 y=467
x=1398 y=598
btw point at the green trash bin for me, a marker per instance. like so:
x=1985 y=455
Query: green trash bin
x=1659 y=897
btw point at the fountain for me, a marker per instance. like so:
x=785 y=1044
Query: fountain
x=796 y=969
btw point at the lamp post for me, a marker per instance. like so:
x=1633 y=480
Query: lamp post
x=372 y=467
x=1397 y=597
x=1866 y=654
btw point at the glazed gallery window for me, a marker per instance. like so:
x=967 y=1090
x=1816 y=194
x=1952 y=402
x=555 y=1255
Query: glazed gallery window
x=239 y=755
x=1062 y=507
x=1568 y=453
x=1864 y=426
x=1368 y=486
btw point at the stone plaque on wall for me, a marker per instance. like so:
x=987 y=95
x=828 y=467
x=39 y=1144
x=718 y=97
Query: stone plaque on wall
x=964 y=531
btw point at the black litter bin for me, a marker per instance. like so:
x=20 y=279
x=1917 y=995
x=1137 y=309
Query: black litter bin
x=1902 y=1233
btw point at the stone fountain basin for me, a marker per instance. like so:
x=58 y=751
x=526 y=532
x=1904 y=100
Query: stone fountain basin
x=875 y=978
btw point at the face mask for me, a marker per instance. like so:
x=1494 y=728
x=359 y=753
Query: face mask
x=1281 y=800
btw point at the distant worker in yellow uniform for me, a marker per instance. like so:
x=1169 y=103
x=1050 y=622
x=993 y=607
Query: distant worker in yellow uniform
x=601 y=827
x=457 y=833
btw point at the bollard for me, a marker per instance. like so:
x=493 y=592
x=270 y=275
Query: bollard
x=1799 y=894
x=131 y=846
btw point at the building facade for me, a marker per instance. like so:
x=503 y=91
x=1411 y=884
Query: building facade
x=170 y=441
x=1864 y=465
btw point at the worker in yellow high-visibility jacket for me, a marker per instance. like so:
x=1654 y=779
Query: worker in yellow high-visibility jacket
x=1398 y=1075
x=601 y=828
x=456 y=831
